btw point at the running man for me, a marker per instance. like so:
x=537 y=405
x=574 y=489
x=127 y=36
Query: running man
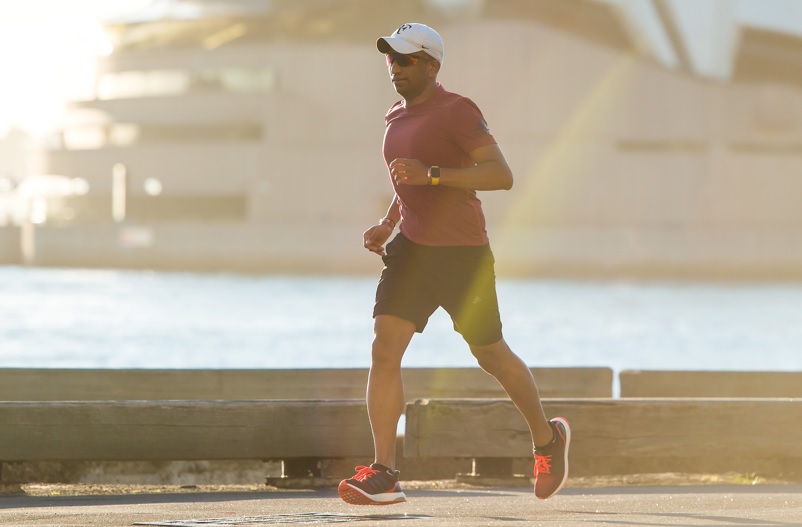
x=439 y=151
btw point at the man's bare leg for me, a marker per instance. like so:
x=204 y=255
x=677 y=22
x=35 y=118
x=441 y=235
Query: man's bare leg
x=385 y=393
x=515 y=377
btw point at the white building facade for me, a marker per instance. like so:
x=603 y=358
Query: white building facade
x=252 y=142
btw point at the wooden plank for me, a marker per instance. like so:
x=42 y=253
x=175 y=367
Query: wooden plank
x=613 y=436
x=183 y=430
x=475 y=383
x=646 y=383
x=148 y=385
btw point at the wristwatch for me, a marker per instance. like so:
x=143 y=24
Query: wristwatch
x=434 y=175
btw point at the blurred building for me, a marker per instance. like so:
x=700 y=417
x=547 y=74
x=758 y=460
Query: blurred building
x=246 y=136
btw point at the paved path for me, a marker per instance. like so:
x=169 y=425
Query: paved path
x=719 y=506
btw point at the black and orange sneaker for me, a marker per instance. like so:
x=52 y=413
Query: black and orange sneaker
x=551 y=461
x=373 y=485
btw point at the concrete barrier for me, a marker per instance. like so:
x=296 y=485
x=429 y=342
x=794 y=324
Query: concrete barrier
x=610 y=436
x=622 y=436
x=176 y=402
x=183 y=430
x=24 y=384
x=653 y=383
x=301 y=431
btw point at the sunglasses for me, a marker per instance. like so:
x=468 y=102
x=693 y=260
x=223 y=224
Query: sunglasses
x=402 y=60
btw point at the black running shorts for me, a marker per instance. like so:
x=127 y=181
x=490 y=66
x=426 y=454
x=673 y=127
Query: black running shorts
x=417 y=279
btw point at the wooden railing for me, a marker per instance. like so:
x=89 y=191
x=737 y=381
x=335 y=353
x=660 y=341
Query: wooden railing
x=31 y=384
x=712 y=421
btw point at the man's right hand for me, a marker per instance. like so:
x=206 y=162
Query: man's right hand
x=375 y=238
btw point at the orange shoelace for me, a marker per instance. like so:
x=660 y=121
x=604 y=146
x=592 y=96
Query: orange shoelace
x=543 y=464
x=363 y=472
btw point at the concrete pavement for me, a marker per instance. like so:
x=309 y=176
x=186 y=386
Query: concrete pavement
x=698 y=505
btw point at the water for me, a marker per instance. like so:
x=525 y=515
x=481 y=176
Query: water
x=76 y=318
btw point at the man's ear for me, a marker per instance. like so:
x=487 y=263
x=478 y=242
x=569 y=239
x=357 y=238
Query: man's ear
x=434 y=68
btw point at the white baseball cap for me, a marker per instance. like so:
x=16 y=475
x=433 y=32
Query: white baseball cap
x=411 y=38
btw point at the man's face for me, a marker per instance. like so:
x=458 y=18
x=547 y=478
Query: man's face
x=410 y=74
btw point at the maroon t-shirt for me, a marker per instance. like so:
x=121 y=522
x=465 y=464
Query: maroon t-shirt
x=440 y=131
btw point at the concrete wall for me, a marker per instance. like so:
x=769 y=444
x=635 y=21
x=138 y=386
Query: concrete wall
x=10 y=246
x=206 y=246
x=337 y=248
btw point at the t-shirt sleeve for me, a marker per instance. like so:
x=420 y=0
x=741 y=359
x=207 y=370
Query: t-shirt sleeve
x=469 y=128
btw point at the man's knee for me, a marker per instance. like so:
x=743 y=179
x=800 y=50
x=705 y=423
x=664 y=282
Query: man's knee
x=391 y=336
x=491 y=356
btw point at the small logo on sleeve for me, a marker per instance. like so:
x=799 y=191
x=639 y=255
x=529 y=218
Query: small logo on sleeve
x=482 y=128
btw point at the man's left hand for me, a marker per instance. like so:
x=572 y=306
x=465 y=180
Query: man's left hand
x=409 y=172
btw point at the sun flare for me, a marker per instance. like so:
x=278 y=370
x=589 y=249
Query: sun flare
x=48 y=52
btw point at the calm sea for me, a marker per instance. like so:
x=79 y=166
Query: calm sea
x=76 y=318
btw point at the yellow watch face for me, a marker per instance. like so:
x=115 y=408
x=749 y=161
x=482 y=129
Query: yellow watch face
x=434 y=175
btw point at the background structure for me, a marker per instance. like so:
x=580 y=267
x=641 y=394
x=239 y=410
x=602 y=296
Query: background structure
x=657 y=140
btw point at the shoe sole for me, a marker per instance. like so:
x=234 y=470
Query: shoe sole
x=355 y=496
x=567 y=429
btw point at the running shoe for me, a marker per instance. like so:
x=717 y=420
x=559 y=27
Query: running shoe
x=373 y=485
x=551 y=461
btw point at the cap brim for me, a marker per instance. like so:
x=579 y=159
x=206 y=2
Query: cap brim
x=394 y=44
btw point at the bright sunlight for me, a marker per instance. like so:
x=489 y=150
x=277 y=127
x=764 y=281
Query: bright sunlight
x=48 y=50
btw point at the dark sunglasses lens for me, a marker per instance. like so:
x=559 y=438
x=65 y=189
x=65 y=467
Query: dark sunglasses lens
x=402 y=60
